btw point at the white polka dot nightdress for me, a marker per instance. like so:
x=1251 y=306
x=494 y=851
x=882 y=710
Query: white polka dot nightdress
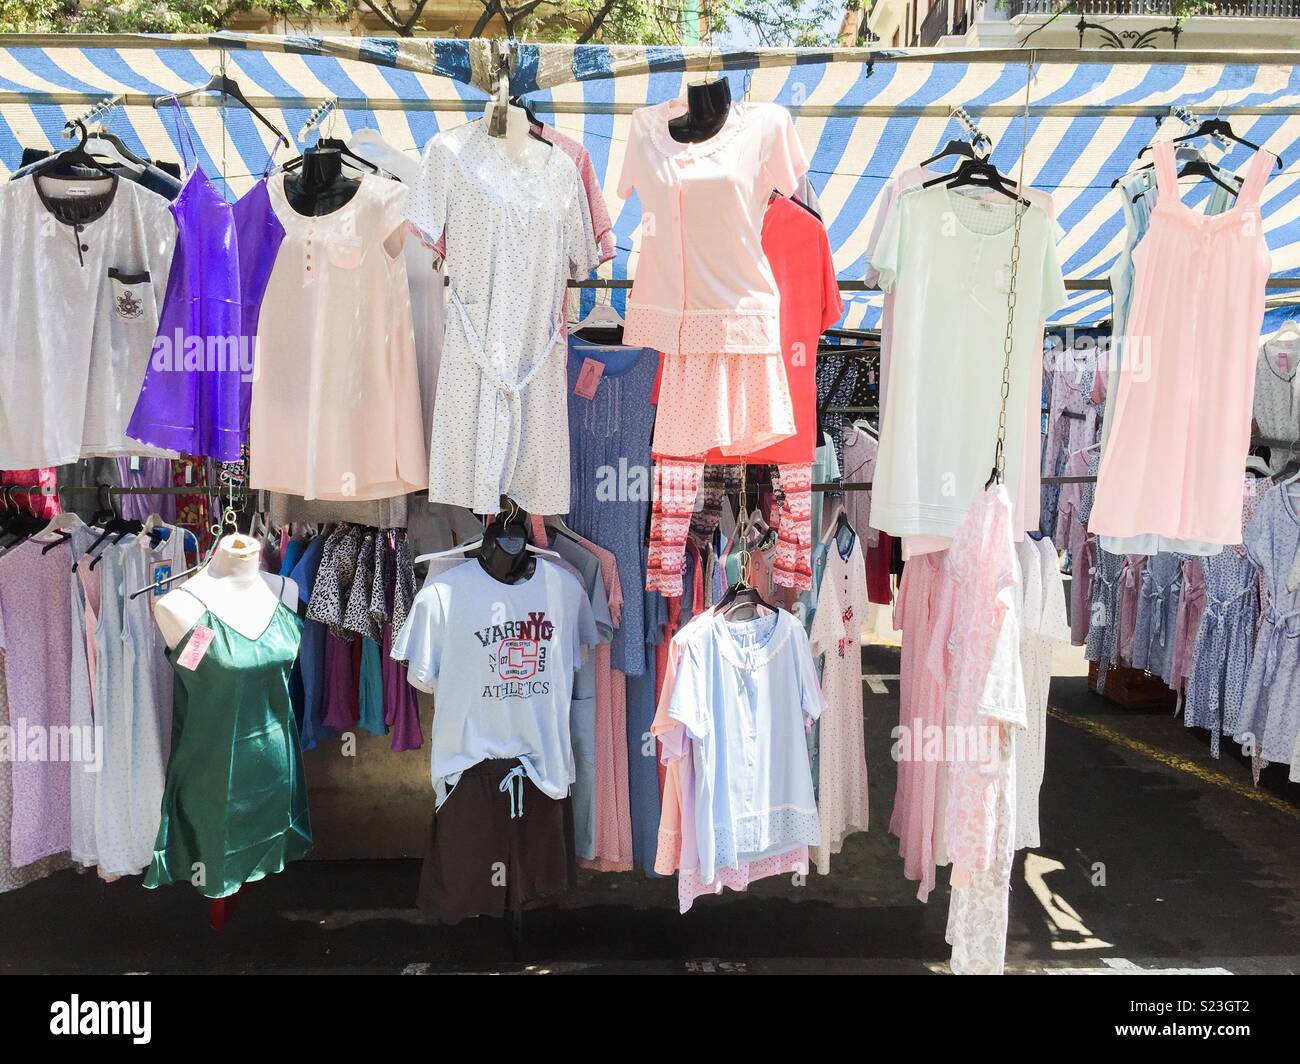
x=514 y=237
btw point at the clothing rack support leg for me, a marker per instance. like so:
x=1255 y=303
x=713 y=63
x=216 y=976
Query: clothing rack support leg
x=220 y=910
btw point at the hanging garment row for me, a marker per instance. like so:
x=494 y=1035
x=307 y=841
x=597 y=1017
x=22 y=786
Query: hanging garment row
x=635 y=663
x=1206 y=612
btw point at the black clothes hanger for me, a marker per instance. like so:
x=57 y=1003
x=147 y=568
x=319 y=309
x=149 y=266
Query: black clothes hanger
x=963 y=148
x=117 y=528
x=16 y=521
x=556 y=524
x=796 y=201
x=979 y=173
x=1201 y=168
x=109 y=522
x=350 y=157
x=707 y=107
x=65 y=163
x=603 y=335
x=810 y=210
x=504 y=553
x=1198 y=167
x=120 y=146
x=104 y=496
x=845 y=529
x=229 y=88
x=60 y=537
x=1214 y=127
x=742 y=592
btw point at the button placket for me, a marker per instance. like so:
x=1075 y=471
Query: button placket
x=309 y=254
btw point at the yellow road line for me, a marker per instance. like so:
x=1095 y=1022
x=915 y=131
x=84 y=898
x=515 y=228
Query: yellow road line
x=1206 y=775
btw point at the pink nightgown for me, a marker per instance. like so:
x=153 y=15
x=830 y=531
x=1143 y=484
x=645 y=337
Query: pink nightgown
x=975 y=650
x=1180 y=429
x=918 y=795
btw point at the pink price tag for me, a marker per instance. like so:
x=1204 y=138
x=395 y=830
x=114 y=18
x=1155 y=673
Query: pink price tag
x=588 y=377
x=200 y=639
x=1284 y=362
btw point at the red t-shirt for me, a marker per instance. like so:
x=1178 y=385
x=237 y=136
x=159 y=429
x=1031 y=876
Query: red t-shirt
x=796 y=246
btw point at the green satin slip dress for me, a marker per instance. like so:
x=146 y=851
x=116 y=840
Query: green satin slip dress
x=234 y=808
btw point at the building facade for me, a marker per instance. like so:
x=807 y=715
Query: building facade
x=1218 y=24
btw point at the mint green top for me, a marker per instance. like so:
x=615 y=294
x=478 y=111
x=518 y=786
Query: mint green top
x=235 y=805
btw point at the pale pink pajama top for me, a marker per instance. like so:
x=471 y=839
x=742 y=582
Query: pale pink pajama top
x=703 y=284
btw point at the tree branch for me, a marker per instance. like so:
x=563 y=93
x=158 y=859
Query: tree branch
x=384 y=16
x=416 y=12
x=597 y=22
x=490 y=8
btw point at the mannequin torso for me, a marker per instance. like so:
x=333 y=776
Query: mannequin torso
x=504 y=554
x=708 y=104
x=232 y=586
x=518 y=145
x=320 y=187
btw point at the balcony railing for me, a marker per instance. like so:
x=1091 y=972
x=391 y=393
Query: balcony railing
x=1157 y=8
x=934 y=25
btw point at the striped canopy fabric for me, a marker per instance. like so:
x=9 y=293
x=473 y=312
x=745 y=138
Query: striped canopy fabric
x=1079 y=118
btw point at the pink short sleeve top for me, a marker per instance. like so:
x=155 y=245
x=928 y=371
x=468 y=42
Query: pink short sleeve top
x=703 y=284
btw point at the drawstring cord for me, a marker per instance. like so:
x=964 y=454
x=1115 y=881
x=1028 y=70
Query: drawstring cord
x=513 y=784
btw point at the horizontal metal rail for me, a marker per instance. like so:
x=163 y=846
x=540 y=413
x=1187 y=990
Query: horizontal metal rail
x=9 y=98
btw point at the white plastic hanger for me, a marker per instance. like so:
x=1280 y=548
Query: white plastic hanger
x=460 y=548
x=602 y=315
x=370 y=144
x=106 y=149
x=1289 y=485
x=1290 y=331
x=62 y=522
x=470 y=544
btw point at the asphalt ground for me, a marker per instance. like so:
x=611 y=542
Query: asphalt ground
x=1155 y=857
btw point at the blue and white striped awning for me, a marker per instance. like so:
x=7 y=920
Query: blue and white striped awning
x=1089 y=114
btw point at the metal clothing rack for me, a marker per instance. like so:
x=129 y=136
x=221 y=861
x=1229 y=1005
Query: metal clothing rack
x=1072 y=284
x=113 y=489
x=1256 y=441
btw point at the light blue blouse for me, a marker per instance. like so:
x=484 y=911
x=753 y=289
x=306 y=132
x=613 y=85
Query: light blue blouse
x=744 y=692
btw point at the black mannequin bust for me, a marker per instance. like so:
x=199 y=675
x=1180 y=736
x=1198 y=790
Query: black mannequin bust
x=504 y=554
x=708 y=105
x=319 y=187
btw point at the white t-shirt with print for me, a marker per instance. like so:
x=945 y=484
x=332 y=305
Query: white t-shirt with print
x=500 y=660
x=79 y=306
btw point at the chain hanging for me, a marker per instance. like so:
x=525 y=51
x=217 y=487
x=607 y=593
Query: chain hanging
x=232 y=480
x=998 y=474
x=744 y=559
